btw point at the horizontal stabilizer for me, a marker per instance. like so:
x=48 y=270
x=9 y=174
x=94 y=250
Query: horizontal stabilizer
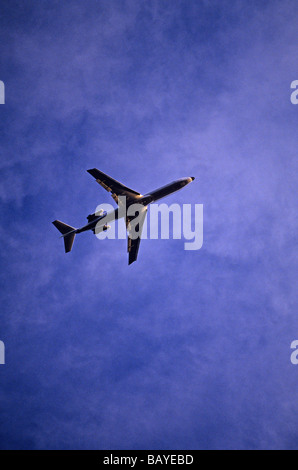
x=62 y=227
x=68 y=233
x=68 y=241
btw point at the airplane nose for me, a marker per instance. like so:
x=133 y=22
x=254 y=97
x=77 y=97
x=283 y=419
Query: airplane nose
x=190 y=179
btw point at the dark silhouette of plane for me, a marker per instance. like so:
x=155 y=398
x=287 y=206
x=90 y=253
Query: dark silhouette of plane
x=98 y=222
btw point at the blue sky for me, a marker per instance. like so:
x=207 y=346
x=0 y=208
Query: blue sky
x=183 y=349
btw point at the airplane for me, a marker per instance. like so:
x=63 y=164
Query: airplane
x=118 y=189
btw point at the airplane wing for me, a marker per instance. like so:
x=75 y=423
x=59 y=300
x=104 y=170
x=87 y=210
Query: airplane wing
x=113 y=186
x=133 y=244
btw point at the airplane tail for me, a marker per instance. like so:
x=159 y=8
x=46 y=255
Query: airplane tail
x=68 y=233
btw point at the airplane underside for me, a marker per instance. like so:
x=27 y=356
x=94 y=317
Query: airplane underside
x=98 y=222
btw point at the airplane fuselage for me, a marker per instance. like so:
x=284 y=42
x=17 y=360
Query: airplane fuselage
x=98 y=222
x=145 y=200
